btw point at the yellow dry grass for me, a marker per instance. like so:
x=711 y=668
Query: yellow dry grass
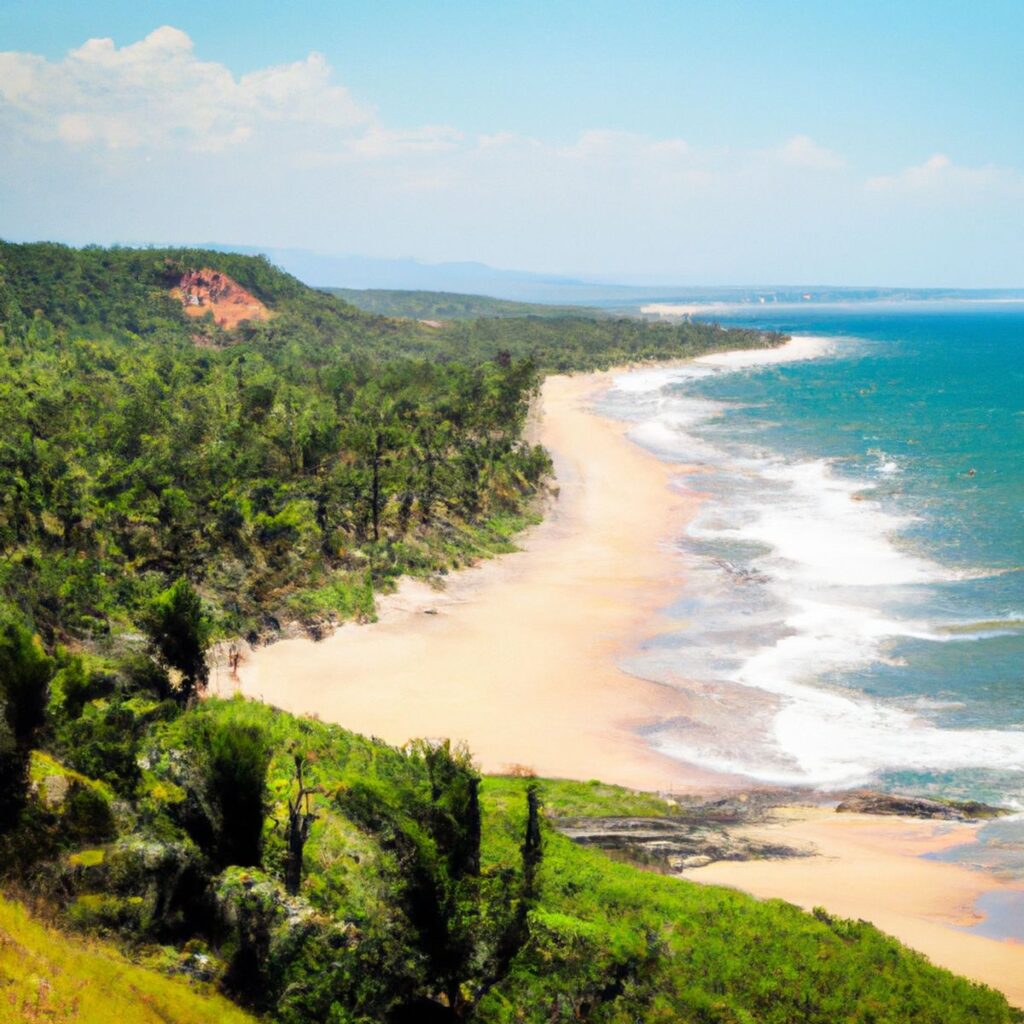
x=46 y=975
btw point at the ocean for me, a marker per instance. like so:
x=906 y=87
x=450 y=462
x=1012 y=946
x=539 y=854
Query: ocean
x=854 y=609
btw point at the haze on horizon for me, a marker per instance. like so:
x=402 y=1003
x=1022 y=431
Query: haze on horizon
x=694 y=143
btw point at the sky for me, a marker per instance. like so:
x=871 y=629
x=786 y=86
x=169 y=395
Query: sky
x=692 y=142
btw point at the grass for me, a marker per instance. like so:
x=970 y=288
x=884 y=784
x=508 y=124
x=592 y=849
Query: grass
x=43 y=767
x=563 y=798
x=605 y=942
x=47 y=976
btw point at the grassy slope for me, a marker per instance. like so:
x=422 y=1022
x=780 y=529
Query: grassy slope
x=678 y=950
x=47 y=976
x=608 y=943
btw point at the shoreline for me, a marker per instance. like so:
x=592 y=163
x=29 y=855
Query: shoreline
x=518 y=657
x=875 y=868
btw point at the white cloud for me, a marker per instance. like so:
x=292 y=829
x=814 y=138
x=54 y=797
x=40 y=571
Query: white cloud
x=149 y=142
x=803 y=151
x=157 y=94
x=938 y=176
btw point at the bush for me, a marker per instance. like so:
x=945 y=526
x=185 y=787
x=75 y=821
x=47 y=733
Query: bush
x=103 y=744
x=87 y=816
x=179 y=633
x=237 y=758
x=25 y=674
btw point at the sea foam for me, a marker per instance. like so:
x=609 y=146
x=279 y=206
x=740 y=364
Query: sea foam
x=823 y=563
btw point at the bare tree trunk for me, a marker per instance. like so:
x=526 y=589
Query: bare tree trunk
x=300 y=821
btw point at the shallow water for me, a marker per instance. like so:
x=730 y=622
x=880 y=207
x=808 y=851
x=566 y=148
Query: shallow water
x=855 y=602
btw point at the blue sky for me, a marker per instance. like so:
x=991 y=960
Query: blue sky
x=689 y=142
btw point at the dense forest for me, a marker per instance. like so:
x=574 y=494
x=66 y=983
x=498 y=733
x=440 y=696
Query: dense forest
x=287 y=468
x=165 y=480
x=449 y=305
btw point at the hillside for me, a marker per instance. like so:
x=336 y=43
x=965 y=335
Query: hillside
x=424 y=893
x=289 y=459
x=425 y=305
x=46 y=975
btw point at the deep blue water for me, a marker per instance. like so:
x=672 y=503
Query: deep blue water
x=856 y=614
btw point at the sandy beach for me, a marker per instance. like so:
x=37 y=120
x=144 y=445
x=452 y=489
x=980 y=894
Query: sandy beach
x=871 y=867
x=518 y=657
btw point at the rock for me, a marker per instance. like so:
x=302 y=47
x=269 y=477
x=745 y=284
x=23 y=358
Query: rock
x=673 y=842
x=695 y=862
x=918 y=807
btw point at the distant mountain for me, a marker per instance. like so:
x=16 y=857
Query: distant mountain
x=362 y=273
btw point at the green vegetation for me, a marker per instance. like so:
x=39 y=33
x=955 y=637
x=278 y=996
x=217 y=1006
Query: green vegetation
x=179 y=635
x=423 y=305
x=163 y=482
x=427 y=893
x=290 y=467
x=25 y=673
x=47 y=976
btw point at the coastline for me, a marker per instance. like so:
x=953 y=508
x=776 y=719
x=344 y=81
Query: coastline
x=518 y=656
x=874 y=868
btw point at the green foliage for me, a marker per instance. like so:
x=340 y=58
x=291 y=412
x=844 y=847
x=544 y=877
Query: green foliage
x=447 y=305
x=236 y=758
x=422 y=896
x=289 y=467
x=25 y=674
x=179 y=634
x=103 y=743
x=87 y=817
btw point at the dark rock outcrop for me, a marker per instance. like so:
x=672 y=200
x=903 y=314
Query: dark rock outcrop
x=918 y=807
x=671 y=843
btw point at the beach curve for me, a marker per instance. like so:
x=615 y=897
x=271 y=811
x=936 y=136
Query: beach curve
x=518 y=657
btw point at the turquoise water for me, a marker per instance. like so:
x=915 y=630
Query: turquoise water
x=856 y=607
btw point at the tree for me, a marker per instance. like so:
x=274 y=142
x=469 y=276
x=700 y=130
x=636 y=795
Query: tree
x=532 y=849
x=237 y=759
x=179 y=634
x=25 y=674
x=300 y=821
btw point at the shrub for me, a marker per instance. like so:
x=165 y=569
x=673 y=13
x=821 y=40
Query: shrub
x=237 y=758
x=87 y=817
x=179 y=634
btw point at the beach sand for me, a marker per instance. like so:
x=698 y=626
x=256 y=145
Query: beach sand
x=518 y=657
x=871 y=867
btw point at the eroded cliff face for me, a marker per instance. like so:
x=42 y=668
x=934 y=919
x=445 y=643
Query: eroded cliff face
x=206 y=290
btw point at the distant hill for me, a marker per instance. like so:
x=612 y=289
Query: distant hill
x=362 y=273
x=421 y=305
